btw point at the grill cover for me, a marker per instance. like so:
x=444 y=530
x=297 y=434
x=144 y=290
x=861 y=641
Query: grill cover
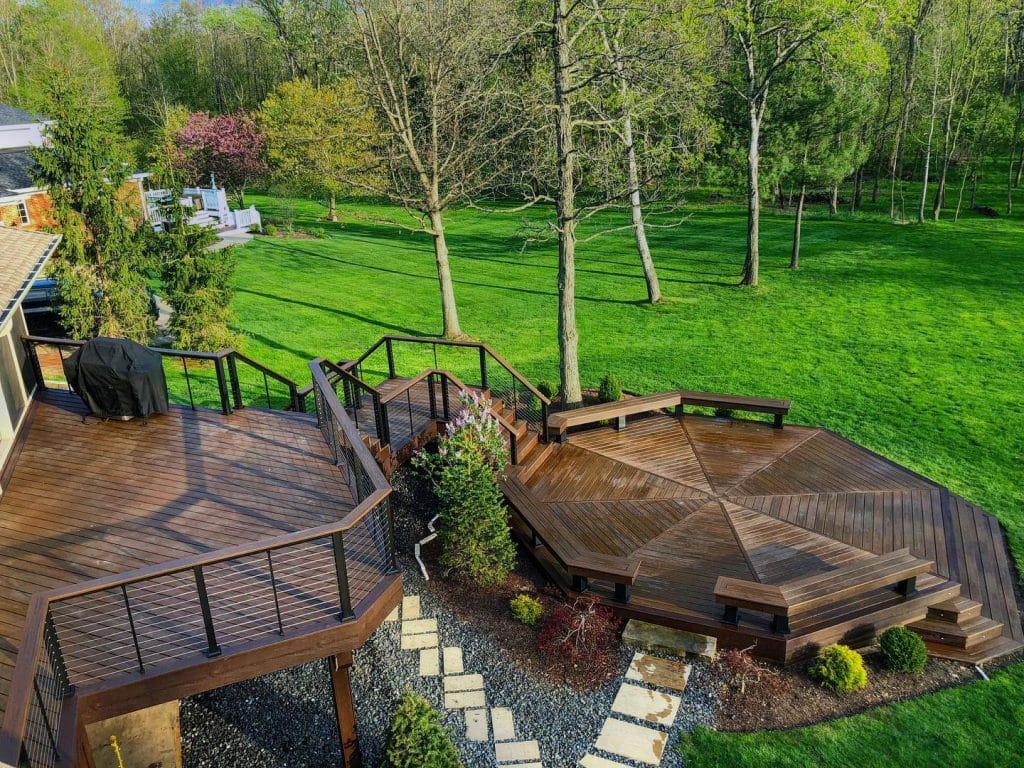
x=117 y=378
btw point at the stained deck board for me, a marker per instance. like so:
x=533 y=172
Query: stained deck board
x=789 y=503
x=95 y=499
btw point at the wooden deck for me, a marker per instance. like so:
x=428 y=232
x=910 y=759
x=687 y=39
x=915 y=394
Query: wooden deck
x=697 y=498
x=96 y=499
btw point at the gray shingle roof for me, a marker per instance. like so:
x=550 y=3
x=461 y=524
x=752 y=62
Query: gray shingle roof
x=22 y=257
x=15 y=171
x=13 y=116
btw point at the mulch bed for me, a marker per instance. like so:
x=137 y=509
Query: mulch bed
x=797 y=700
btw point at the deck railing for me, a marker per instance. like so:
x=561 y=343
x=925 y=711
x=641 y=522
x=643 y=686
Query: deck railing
x=202 y=606
x=226 y=380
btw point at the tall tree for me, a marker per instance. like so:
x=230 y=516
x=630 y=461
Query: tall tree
x=101 y=267
x=230 y=147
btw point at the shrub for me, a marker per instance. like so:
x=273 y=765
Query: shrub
x=903 y=650
x=418 y=739
x=839 y=668
x=475 y=535
x=527 y=610
x=610 y=390
x=270 y=230
x=318 y=232
x=547 y=389
x=581 y=636
x=743 y=670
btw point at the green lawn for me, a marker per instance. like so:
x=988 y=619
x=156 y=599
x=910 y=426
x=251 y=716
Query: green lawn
x=907 y=339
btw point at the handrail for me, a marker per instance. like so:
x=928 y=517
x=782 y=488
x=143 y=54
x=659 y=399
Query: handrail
x=39 y=636
x=406 y=386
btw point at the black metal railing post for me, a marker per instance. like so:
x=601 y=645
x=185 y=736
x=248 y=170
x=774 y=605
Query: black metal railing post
x=56 y=657
x=51 y=736
x=222 y=386
x=188 y=383
x=391 y=358
x=380 y=414
x=37 y=370
x=236 y=386
x=273 y=589
x=543 y=421
x=131 y=625
x=483 y=368
x=445 y=404
x=341 y=571
x=212 y=649
x=432 y=395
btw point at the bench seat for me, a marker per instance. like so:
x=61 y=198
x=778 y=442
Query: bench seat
x=736 y=403
x=620 y=409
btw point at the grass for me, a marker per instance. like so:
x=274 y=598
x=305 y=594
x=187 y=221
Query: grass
x=907 y=339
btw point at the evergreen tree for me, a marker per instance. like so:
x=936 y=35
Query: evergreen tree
x=101 y=266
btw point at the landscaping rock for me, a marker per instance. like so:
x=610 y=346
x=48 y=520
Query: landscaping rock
x=676 y=642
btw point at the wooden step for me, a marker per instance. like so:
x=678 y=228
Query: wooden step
x=525 y=446
x=979 y=654
x=957 y=610
x=536 y=458
x=966 y=635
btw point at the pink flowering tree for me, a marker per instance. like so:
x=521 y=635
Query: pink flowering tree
x=229 y=146
x=475 y=537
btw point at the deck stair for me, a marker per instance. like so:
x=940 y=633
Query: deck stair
x=955 y=629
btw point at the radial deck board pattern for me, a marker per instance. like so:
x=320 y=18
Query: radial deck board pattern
x=94 y=499
x=698 y=498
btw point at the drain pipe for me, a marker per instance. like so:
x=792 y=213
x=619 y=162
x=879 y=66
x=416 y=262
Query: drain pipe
x=425 y=540
x=980 y=671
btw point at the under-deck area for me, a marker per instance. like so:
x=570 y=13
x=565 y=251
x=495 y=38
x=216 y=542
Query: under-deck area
x=90 y=499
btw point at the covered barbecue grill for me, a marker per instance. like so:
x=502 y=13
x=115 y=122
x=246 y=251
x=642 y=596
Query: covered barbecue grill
x=117 y=378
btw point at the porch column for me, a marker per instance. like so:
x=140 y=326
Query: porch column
x=344 y=707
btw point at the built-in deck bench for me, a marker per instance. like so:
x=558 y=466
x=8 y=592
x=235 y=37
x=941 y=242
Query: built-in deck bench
x=580 y=565
x=779 y=408
x=799 y=597
x=560 y=422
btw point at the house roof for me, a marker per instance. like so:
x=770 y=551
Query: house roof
x=23 y=255
x=15 y=171
x=13 y=116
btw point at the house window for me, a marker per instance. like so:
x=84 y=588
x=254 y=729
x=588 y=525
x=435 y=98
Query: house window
x=23 y=213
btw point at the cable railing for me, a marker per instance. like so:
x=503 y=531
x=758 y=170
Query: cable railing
x=225 y=380
x=202 y=606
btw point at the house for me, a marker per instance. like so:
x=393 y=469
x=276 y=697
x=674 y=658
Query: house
x=208 y=207
x=23 y=204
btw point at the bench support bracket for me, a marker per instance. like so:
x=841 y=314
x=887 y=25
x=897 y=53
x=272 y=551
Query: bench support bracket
x=907 y=587
x=622 y=592
x=731 y=615
x=580 y=583
x=780 y=624
x=778 y=421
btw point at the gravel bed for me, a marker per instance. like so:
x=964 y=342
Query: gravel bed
x=287 y=719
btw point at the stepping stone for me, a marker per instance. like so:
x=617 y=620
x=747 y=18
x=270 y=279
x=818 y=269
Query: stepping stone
x=634 y=742
x=456 y=683
x=517 y=751
x=415 y=642
x=661 y=673
x=476 y=724
x=593 y=761
x=393 y=616
x=419 y=626
x=503 y=725
x=429 y=663
x=453 y=661
x=645 y=704
x=675 y=642
x=411 y=607
x=464 y=700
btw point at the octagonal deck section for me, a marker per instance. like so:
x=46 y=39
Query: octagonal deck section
x=697 y=498
x=96 y=499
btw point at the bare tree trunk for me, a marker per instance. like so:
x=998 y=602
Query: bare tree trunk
x=449 y=313
x=960 y=197
x=568 y=335
x=833 y=200
x=750 y=266
x=913 y=41
x=948 y=147
x=332 y=212
x=794 y=259
x=858 y=189
x=928 y=151
x=1013 y=149
x=974 y=188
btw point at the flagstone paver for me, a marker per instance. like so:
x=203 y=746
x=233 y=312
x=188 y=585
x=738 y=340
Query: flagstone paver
x=429 y=662
x=476 y=724
x=593 y=761
x=517 y=751
x=453 y=661
x=658 y=672
x=419 y=626
x=634 y=742
x=645 y=704
x=454 y=683
x=416 y=642
x=464 y=700
x=411 y=607
x=503 y=725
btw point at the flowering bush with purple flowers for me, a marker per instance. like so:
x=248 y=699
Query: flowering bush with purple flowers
x=465 y=470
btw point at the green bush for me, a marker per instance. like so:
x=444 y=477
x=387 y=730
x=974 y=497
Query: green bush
x=839 y=668
x=610 y=390
x=475 y=536
x=903 y=650
x=318 y=232
x=418 y=739
x=546 y=388
x=270 y=230
x=526 y=609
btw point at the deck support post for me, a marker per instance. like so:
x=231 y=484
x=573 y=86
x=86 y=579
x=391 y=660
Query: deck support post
x=236 y=387
x=391 y=358
x=680 y=411
x=580 y=583
x=731 y=615
x=535 y=541
x=344 y=708
x=778 y=421
x=341 y=572
x=780 y=624
x=907 y=587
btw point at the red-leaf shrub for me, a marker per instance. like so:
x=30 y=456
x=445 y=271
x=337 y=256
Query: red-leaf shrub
x=743 y=670
x=579 y=636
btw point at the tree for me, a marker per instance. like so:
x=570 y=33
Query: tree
x=306 y=32
x=101 y=268
x=320 y=138
x=766 y=35
x=431 y=72
x=229 y=146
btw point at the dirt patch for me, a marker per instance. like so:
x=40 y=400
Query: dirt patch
x=795 y=700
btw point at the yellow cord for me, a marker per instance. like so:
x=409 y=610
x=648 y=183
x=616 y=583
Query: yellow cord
x=117 y=751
